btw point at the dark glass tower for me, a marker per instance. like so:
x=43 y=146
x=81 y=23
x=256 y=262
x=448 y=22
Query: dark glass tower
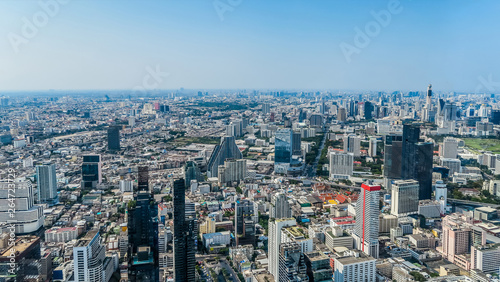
x=184 y=236
x=368 y=109
x=114 y=138
x=143 y=237
x=91 y=171
x=192 y=172
x=244 y=218
x=143 y=179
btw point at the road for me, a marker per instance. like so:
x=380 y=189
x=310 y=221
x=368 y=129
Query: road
x=472 y=203
x=230 y=270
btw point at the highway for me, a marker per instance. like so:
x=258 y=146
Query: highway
x=471 y=203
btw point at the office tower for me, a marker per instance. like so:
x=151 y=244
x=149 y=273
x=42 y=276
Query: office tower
x=275 y=227
x=323 y=109
x=47 y=183
x=368 y=110
x=91 y=171
x=114 y=138
x=318 y=266
x=280 y=207
x=27 y=217
x=20 y=260
x=352 y=144
x=245 y=220
x=423 y=169
x=358 y=267
x=341 y=165
x=292 y=265
x=143 y=233
x=90 y=263
x=302 y=115
x=456 y=237
x=404 y=198
x=341 y=115
x=486 y=258
x=392 y=156
x=184 y=236
x=316 y=120
x=283 y=150
x=372 y=147
x=266 y=108
x=495 y=117
x=230 y=130
x=226 y=150
x=143 y=178
x=296 y=144
x=450 y=148
x=232 y=171
x=366 y=227
x=454 y=165
x=192 y=172
x=126 y=186
x=441 y=195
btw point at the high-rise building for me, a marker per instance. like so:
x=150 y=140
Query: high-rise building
x=283 y=150
x=266 y=108
x=91 y=171
x=341 y=165
x=352 y=144
x=27 y=217
x=366 y=228
x=441 y=195
x=143 y=178
x=232 y=171
x=404 y=198
x=245 y=220
x=296 y=144
x=372 y=147
x=90 y=263
x=184 y=235
x=486 y=258
x=226 y=150
x=280 y=207
x=392 y=156
x=114 y=138
x=143 y=221
x=275 y=227
x=192 y=172
x=423 y=169
x=316 y=120
x=47 y=183
x=456 y=237
x=450 y=148
x=318 y=266
x=342 y=115
x=292 y=265
x=368 y=110
x=358 y=267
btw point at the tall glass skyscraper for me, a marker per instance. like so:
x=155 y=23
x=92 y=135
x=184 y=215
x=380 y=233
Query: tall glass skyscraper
x=114 y=138
x=283 y=150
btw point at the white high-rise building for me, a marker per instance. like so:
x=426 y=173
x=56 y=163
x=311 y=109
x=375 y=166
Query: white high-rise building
x=358 y=267
x=441 y=195
x=372 y=148
x=352 y=144
x=450 y=148
x=27 y=216
x=47 y=183
x=485 y=258
x=341 y=165
x=232 y=171
x=366 y=228
x=88 y=259
x=280 y=206
x=404 y=198
x=275 y=227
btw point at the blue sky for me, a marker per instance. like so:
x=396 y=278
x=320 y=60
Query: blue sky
x=258 y=44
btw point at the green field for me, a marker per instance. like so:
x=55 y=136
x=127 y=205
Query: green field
x=479 y=144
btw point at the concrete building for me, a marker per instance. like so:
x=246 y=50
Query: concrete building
x=226 y=150
x=358 y=267
x=89 y=260
x=280 y=207
x=352 y=144
x=404 y=199
x=292 y=265
x=275 y=229
x=232 y=171
x=450 y=148
x=46 y=183
x=341 y=165
x=453 y=164
x=486 y=258
x=366 y=229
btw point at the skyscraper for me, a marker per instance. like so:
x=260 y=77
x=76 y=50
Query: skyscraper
x=192 y=172
x=114 y=138
x=352 y=144
x=143 y=178
x=296 y=144
x=226 y=150
x=366 y=227
x=90 y=263
x=143 y=233
x=232 y=171
x=47 y=183
x=280 y=206
x=368 y=110
x=245 y=220
x=275 y=226
x=450 y=148
x=292 y=266
x=283 y=150
x=404 y=199
x=341 y=165
x=184 y=236
x=91 y=171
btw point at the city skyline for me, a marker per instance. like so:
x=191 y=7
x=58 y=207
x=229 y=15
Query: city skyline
x=249 y=45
